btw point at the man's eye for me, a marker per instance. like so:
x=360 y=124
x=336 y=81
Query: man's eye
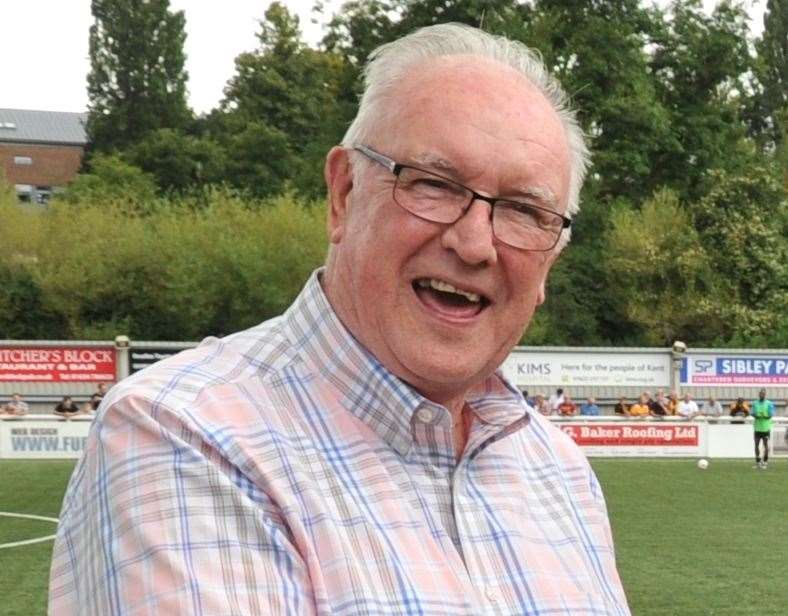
x=432 y=183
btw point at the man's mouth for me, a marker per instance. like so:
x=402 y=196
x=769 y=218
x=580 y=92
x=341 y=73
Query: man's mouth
x=449 y=300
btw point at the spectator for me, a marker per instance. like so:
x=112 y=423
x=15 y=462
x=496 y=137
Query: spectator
x=622 y=407
x=711 y=408
x=17 y=407
x=740 y=408
x=87 y=409
x=589 y=407
x=567 y=408
x=98 y=395
x=673 y=403
x=556 y=400
x=640 y=408
x=541 y=405
x=688 y=408
x=657 y=407
x=66 y=408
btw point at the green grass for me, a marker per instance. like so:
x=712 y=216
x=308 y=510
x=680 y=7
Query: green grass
x=35 y=487
x=692 y=542
x=689 y=542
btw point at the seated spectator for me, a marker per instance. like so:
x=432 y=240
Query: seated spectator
x=687 y=407
x=541 y=405
x=621 y=407
x=17 y=407
x=555 y=400
x=98 y=395
x=640 y=408
x=66 y=408
x=589 y=407
x=740 y=408
x=711 y=408
x=658 y=407
x=567 y=408
x=87 y=409
x=673 y=403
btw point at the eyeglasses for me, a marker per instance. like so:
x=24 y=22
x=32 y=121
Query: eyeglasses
x=438 y=199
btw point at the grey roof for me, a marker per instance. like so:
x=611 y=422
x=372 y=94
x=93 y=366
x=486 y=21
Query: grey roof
x=28 y=126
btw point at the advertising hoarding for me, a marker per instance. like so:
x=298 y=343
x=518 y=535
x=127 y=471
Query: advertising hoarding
x=554 y=368
x=735 y=370
x=144 y=357
x=636 y=439
x=65 y=364
x=43 y=439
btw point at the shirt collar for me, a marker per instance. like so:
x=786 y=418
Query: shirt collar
x=366 y=388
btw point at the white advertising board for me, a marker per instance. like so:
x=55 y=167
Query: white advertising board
x=43 y=439
x=553 y=368
x=740 y=370
x=614 y=437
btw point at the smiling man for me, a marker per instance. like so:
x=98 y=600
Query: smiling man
x=360 y=454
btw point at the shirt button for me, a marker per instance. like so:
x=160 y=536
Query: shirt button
x=424 y=415
x=490 y=594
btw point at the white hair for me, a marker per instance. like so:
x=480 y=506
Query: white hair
x=388 y=63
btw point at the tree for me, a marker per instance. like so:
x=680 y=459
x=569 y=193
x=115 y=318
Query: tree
x=699 y=63
x=770 y=113
x=137 y=81
x=178 y=161
x=661 y=274
x=742 y=222
x=288 y=95
x=112 y=180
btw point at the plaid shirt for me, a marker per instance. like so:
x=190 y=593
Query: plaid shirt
x=283 y=470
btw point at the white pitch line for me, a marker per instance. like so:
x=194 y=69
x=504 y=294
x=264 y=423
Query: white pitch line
x=27 y=516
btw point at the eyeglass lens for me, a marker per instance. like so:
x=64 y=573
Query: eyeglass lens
x=438 y=199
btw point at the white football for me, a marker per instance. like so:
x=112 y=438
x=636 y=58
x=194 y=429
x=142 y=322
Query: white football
x=703 y=464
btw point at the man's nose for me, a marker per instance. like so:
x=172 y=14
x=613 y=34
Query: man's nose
x=471 y=237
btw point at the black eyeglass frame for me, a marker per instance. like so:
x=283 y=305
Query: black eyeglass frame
x=396 y=168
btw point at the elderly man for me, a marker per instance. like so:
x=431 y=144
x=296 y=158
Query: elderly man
x=359 y=454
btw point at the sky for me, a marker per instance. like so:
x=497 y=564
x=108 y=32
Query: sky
x=44 y=44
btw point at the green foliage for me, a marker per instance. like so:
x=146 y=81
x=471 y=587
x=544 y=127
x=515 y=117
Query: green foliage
x=283 y=110
x=741 y=220
x=114 y=182
x=178 y=161
x=137 y=81
x=700 y=63
x=769 y=115
x=660 y=272
x=188 y=268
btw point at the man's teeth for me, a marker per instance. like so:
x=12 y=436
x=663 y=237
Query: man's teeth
x=440 y=285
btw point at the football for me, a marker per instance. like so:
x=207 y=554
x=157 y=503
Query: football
x=703 y=464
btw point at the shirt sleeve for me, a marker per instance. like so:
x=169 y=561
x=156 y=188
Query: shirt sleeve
x=156 y=521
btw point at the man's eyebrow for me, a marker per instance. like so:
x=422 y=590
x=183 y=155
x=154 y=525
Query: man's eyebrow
x=542 y=194
x=435 y=161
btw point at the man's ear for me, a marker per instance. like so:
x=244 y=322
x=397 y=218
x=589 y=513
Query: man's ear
x=550 y=259
x=339 y=180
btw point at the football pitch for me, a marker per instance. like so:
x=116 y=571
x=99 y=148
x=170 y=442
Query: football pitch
x=689 y=542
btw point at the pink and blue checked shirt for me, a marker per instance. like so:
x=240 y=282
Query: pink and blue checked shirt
x=284 y=471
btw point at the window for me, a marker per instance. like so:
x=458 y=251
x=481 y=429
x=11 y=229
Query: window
x=23 y=160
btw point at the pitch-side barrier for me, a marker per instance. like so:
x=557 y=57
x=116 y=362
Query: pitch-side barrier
x=44 y=436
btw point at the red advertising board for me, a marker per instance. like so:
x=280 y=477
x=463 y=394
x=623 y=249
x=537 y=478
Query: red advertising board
x=57 y=364
x=633 y=435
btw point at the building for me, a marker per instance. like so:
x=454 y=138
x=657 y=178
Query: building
x=40 y=151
